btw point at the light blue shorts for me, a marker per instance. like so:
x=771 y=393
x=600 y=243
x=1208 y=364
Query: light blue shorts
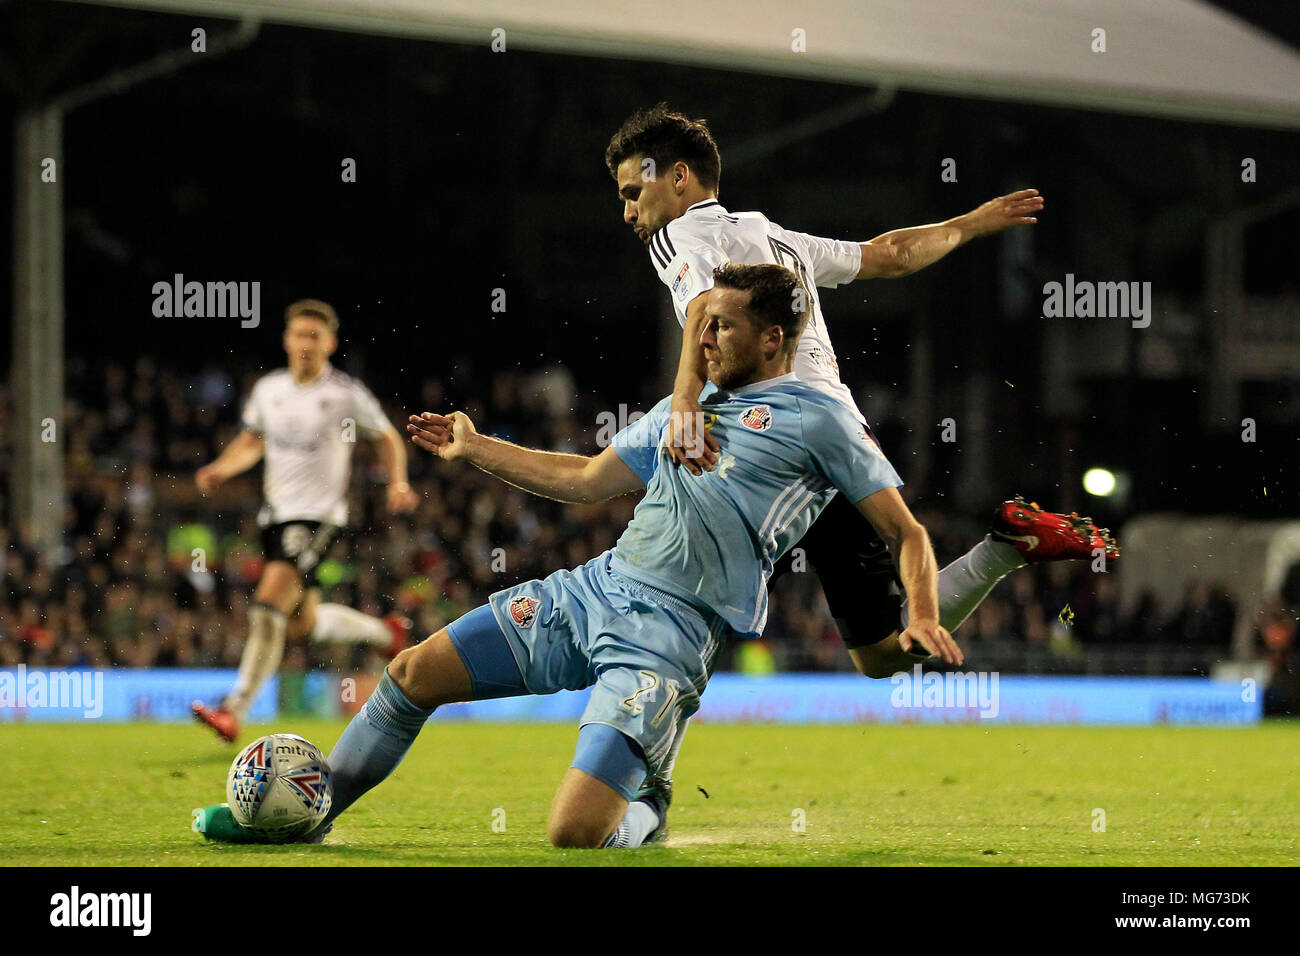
x=648 y=653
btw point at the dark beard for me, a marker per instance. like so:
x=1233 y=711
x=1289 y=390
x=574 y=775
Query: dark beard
x=731 y=377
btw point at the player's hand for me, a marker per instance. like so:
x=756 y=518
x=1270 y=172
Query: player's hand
x=689 y=442
x=401 y=499
x=208 y=478
x=447 y=436
x=932 y=637
x=1014 y=209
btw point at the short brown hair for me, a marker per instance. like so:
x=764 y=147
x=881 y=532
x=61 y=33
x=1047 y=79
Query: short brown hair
x=776 y=296
x=316 y=309
x=667 y=138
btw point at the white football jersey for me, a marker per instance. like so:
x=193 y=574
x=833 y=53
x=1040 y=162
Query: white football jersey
x=310 y=431
x=687 y=250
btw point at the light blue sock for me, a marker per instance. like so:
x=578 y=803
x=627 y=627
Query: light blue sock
x=374 y=743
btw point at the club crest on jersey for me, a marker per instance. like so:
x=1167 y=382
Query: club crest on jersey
x=757 y=418
x=523 y=610
x=682 y=284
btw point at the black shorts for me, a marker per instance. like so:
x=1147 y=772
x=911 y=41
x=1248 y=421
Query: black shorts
x=856 y=570
x=303 y=544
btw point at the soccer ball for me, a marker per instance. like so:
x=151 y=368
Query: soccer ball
x=279 y=787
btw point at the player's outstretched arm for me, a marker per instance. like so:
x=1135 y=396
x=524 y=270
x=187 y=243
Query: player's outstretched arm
x=392 y=455
x=904 y=251
x=906 y=537
x=239 y=456
x=569 y=478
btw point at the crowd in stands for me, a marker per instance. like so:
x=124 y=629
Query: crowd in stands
x=154 y=575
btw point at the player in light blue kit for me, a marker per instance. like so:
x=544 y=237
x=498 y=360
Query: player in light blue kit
x=642 y=624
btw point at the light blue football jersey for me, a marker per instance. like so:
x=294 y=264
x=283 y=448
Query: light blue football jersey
x=712 y=539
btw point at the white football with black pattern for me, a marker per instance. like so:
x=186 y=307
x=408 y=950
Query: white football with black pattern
x=279 y=786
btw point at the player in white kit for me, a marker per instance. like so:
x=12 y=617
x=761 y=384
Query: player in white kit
x=305 y=420
x=667 y=168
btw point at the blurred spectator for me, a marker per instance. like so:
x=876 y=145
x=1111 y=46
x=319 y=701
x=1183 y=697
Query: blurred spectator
x=156 y=575
x=1275 y=635
x=1206 y=617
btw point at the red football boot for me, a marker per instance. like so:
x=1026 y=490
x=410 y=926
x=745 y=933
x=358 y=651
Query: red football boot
x=401 y=629
x=1043 y=536
x=221 y=720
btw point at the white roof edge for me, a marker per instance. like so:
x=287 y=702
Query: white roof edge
x=433 y=20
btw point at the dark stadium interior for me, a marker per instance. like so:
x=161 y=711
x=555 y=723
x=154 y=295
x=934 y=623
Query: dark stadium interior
x=478 y=172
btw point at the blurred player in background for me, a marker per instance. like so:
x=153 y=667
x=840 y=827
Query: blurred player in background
x=304 y=420
x=667 y=169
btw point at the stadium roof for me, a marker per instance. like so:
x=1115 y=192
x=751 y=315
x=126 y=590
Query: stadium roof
x=1176 y=58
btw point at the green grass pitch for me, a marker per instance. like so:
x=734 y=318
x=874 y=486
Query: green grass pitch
x=111 y=795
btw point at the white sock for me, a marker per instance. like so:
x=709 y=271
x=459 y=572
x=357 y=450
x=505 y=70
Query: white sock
x=261 y=657
x=968 y=580
x=637 y=823
x=339 y=624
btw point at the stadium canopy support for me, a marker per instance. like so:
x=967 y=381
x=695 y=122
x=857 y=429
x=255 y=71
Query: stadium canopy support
x=40 y=429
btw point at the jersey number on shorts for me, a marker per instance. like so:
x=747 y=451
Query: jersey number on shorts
x=650 y=683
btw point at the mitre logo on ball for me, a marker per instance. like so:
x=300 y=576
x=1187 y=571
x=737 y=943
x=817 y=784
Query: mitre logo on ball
x=523 y=610
x=758 y=418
